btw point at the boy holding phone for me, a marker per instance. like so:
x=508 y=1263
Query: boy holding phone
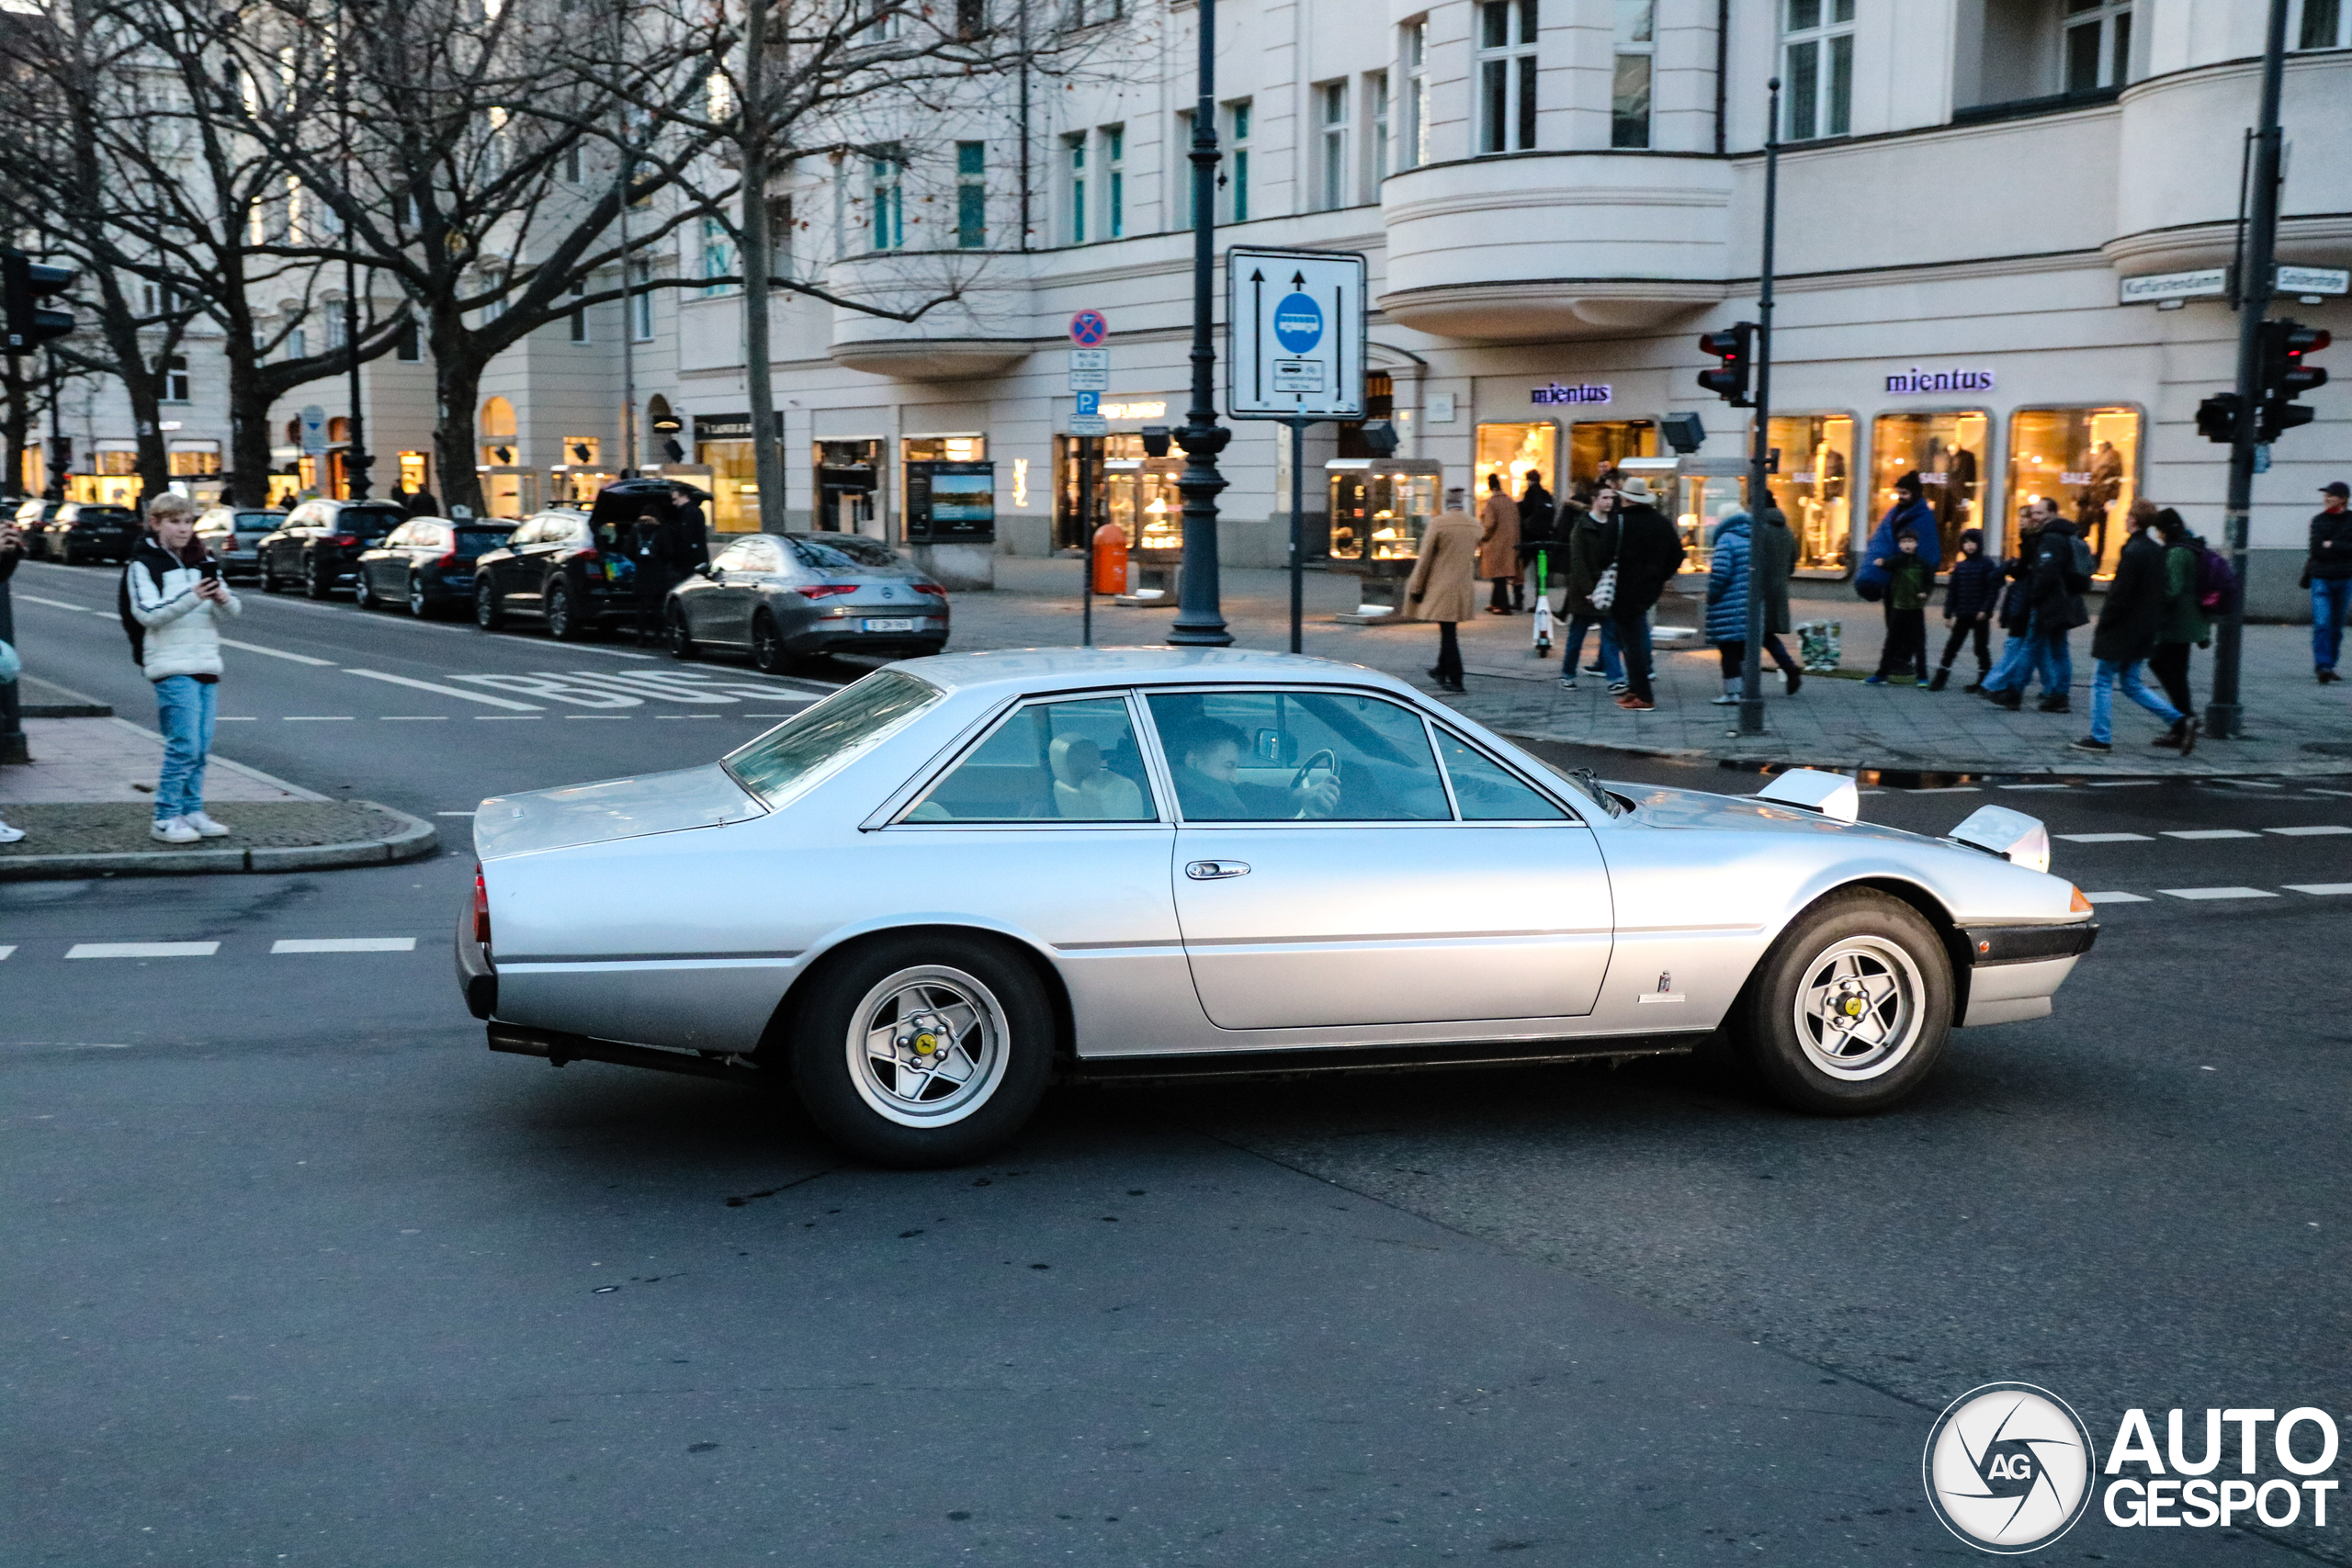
x=171 y=588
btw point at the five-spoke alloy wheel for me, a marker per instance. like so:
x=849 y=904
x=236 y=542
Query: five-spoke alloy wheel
x=1849 y=1011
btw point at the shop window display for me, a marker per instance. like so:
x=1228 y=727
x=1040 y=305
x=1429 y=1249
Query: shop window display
x=1135 y=491
x=734 y=485
x=1511 y=450
x=1948 y=452
x=1814 y=488
x=848 y=475
x=2088 y=460
x=1380 y=506
x=1597 y=445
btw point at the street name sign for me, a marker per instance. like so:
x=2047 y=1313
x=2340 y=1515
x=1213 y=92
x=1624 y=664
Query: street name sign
x=1294 y=334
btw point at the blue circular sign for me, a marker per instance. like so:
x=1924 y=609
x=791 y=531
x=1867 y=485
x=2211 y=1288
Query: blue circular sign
x=1089 y=328
x=1298 y=323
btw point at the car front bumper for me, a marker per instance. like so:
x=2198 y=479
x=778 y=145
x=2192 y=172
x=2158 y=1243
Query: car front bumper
x=2013 y=971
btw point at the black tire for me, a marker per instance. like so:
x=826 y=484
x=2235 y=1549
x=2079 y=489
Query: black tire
x=1876 y=981
x=315 y=584
x=843 y=1087
x=768 y=655
x=674 y=634
x=562 y=615
x=270 y=578
x=418 y=605
x=361 y=594
x=489 y=614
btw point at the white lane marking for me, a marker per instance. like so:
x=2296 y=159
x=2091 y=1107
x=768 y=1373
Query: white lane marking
x=447 y=690
x=315 y=718
x=453 y=814
x=4 y=951
x=2123 y=784
x=553 y=688
x=591 y=718
x=2105 y=838
x=2305 y=832
x=277 y=653
x=494 y=717
x=143 y=950
x=2117 y=899
x=796 y=715
x=235 y=719
x=2216 y=892
x=2034 y=787
x=60 y=604
x=412 y=717
x=2209 y=833
x=345 y=944
x=2346 y=794
x=1948 y=789
x=2318 y=889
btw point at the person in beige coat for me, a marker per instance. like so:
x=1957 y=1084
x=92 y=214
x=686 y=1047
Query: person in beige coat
x=1442 y=587
x=1498 y=546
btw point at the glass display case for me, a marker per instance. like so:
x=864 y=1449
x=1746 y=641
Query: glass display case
x=1380 y=508
x=1135 y=491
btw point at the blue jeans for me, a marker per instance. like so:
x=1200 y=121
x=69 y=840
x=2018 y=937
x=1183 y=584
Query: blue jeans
x=2034 y=653
x=2331 y=607
x=184 y=709
x=2056 y=661
x=2111 y=672
x=1613 y=669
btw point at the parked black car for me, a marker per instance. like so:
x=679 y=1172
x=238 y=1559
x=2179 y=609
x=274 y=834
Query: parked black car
x=89 y=531
x=317 y=549
x=427 y=563
x=563 y=568
x=233 y=534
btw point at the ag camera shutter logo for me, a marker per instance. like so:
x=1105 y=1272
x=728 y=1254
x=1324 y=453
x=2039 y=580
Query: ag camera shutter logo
x=2008 y=1467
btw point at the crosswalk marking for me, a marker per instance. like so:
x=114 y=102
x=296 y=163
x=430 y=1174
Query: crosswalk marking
x=482 y=697
x=2321 y=889
x=2209 y=833
x=4 y=951
x=2216 y=892
x=345 y=944
x=277 y=653
x=2306 y=832
x=143 y=950
x=2105 y=838
x=2112 y=897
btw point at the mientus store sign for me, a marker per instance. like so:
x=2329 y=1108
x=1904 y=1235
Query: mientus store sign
x=1584 y=392
x=1955 y=380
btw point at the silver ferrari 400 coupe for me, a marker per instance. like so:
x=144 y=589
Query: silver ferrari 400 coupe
x=927 y=897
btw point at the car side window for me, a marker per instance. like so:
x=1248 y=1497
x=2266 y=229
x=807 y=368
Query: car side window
x=763 y=556
x=527 y=534
x=1485 y=791
x=1286 y=756
x=730 y=559
x=1071 y=761
x=406 y=533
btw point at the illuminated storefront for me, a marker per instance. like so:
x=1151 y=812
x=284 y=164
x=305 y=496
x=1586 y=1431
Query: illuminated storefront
x=1597 y=445
x=1813 y=489
x=849 y=481
x=723 y=446
x=1511 y=450
x=416 y=471
x=1135 y=490
x=2086 y=459
x=1946 y=451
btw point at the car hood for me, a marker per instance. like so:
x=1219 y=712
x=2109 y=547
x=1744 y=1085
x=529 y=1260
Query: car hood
x=1656 y=807
x=613 y=808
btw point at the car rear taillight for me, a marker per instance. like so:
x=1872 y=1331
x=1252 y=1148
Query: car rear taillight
x=344 y=541
x=931 y=588
x=826 y=590
x=446 y=562
x=482 y=908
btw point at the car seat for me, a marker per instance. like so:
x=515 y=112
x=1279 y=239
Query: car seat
x=1085 y=789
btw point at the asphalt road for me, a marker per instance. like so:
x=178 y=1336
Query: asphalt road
x=302 y=1274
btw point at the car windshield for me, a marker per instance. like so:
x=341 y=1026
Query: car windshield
x=848 y=553
x=257 y=522
x=821 y=740
x=473 y=541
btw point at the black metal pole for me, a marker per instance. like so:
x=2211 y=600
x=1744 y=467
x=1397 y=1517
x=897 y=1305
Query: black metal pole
x=1297 y=530
x=1086 y=542
x=355 y=432
x=1759 y=496
x=2225 y=715
x=1200 y=618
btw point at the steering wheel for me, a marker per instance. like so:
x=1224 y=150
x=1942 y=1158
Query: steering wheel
x=1326 y=758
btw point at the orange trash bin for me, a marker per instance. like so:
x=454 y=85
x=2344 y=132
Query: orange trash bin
x=1110 y=559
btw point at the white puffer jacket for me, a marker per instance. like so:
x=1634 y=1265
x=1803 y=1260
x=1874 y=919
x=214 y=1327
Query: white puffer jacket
x=181 y=638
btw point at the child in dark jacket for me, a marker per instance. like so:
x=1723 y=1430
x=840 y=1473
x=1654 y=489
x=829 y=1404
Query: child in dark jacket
x=1910 y=583
x=1969 y=596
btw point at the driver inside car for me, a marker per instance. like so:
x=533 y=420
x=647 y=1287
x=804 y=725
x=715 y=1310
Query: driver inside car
x=1208 y=788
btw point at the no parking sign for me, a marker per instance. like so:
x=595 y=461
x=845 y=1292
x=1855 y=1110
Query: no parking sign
x=1089 y=328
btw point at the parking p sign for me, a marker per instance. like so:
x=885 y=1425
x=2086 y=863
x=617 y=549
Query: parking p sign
x=1294 y=347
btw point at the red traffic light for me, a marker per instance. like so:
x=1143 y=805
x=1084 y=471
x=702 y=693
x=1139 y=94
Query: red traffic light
x=1733 y=347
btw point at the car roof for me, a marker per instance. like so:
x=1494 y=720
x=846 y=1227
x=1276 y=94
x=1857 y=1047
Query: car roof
x=1018 y=669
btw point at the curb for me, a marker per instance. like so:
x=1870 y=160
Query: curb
x=416 y=839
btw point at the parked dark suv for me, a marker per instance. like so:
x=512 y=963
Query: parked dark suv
x=561 y=568
x=87 y=531
x=317 y=549
x=427 y=564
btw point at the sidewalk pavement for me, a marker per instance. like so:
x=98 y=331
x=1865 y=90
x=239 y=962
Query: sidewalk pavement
x=87 y=797
x=2297 y=725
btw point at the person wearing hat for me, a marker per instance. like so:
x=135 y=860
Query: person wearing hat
x=2328 y=574
x=1442 y=587
x=1649 y=552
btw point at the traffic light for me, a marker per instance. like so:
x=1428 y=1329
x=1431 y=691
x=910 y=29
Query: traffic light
x=30 y=282
x=1734 y=345
x=2285 y=377
x=2216 y=418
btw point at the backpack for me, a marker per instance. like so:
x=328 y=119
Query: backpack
x=2215 y=579
x=2078 y=576
x=131 y=626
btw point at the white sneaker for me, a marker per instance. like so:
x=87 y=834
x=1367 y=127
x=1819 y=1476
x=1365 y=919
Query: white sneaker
x=174 y=830
x=1567 y=682
x=10 y=835
x=205 y=826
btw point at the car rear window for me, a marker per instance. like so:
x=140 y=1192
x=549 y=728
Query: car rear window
x=849 y=554
x=257 y=522
x=821 y=740
x=473 y=541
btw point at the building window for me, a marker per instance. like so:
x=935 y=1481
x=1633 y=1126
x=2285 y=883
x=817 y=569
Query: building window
x=1817 y=54
x=1114 y=171
x=971 y=195
x=175 y=378
x=887 y=188
x=1375 y=87
x=1236 y=133
x=2085 y=459
x=579 y=314
x=1629 y=104
x=1946 y=451
x=717 y=255
x=2099 y=44
x=411 y=344
x=783 y=237
x=1506 y=76
x=1813 y=487
x=2323 y=24
x=1415 y=150
x=571 y=165
x=641 y=305
x=298 y=344
x=1332 y=185
x=1074 y=147
x=1181 y=170
x=335 y=323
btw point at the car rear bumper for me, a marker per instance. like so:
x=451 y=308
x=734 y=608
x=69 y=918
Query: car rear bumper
x=2014 y=970
x=476 y=975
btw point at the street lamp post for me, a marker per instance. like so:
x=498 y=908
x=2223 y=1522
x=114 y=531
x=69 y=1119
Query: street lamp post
x=1760 y=495
x=355 y=449
x=1200 y=622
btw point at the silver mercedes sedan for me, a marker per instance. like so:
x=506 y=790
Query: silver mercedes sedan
x=786 y=596
x=927 y=897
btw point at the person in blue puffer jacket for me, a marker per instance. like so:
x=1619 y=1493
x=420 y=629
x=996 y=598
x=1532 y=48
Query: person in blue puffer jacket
x=1730 y=575
x=1908 y=513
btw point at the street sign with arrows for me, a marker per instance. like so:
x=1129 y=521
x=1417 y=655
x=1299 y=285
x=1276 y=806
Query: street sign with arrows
x=1294 y=334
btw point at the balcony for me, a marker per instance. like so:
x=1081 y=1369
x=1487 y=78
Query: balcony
x=975 y=323
x=1540 y=246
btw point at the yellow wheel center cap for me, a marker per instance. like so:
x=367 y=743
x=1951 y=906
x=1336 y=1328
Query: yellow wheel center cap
x=925 y=1044
x=1852 y=1007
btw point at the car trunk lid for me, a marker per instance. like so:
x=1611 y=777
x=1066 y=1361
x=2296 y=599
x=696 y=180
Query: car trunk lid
x=613 y=808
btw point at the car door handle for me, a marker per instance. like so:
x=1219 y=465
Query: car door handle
x=1216 y=870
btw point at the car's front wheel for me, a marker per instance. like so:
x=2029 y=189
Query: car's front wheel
x=676 y=634
x=489 y=614
x=1849 y=1010
x=923 y=1050
x=768 y=655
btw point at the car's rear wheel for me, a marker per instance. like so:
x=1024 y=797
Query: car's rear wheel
x=1849 y=1010
x=269 y=584
x=316 y=585
x=768 y=655
x=362 y=594
x=489 y=614
x=418 y=605
x=923 y=1050
x=676 y=634
x=563 y=617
